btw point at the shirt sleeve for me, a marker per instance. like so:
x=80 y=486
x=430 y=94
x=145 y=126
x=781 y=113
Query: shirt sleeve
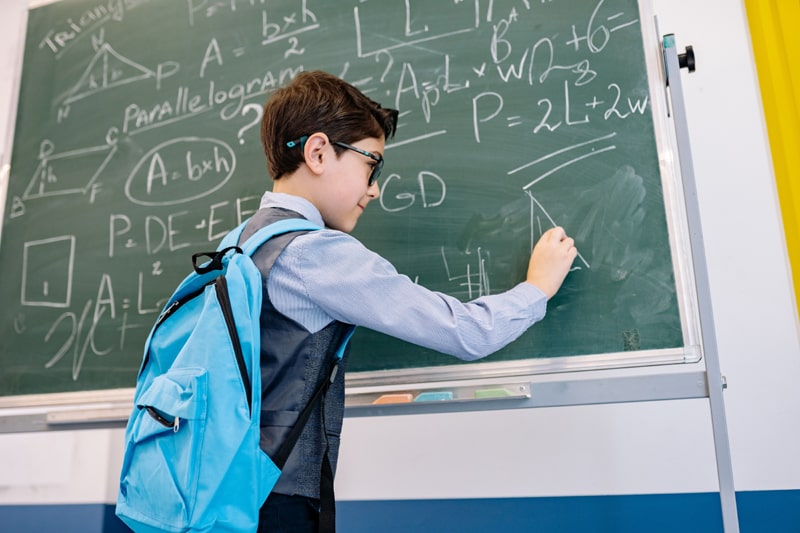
x=328 y=275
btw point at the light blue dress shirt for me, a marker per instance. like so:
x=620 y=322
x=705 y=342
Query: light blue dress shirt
x=329 y=275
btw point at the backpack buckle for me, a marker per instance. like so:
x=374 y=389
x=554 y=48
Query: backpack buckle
x=216 y=259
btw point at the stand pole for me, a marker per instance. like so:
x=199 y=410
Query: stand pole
x=673 y=62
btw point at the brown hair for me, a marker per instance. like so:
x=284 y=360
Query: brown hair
x=318 y=101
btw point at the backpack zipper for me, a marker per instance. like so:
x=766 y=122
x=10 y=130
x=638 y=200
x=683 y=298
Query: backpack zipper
x=169 y=311
x=174 y=423
x=174 y=306
x=221 y=286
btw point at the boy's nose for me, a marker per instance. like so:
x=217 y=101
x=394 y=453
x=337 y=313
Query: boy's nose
x=374 y=191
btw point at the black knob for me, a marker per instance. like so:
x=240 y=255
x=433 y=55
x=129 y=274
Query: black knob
x=687 y=60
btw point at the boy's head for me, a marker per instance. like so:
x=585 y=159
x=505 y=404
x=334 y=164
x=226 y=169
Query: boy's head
x=319 y=102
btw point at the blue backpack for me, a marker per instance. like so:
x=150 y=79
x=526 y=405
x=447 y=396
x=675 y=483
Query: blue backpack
x=192 y=459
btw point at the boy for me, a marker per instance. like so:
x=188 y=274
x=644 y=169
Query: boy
x=324 y=142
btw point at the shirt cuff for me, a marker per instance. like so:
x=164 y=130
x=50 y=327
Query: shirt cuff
x=534 y=297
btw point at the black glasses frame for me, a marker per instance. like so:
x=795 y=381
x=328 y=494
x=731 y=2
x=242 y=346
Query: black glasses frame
x=376 y=170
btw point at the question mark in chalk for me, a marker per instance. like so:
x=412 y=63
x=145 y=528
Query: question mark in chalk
x=245 y=110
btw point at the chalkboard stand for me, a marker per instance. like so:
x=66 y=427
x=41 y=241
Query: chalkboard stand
x=716 y=383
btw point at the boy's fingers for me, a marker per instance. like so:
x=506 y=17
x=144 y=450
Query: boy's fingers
x=557 y=233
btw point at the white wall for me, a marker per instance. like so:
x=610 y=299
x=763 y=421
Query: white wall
x=756 y=318
x=651 y=447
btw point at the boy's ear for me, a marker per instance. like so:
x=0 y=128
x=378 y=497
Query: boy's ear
x=314 y=152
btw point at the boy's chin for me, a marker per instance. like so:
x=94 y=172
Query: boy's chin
x=344 y=228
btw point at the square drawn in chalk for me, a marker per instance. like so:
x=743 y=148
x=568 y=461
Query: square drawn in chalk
x=47 y=267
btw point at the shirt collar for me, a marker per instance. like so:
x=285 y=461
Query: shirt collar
x=294 y=203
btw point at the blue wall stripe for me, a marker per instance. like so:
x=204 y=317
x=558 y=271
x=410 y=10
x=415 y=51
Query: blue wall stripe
x=759 y=512
x=769 y=511
x=46 y=518
x=591 y=514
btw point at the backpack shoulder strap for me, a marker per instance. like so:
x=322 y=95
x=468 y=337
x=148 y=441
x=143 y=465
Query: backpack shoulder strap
x=282 y=455
x=264 y=234
x=276 y=228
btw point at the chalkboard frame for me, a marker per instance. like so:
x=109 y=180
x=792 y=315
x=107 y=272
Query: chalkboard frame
x=613 y=365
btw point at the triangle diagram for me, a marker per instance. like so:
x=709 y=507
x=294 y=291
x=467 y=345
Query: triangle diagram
x=106 y=70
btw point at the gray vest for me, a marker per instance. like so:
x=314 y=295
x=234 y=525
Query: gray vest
x=293 y=362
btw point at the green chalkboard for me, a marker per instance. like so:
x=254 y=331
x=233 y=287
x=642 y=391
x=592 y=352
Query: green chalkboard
x=136 y=144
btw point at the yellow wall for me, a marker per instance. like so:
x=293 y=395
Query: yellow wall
x=776 y=44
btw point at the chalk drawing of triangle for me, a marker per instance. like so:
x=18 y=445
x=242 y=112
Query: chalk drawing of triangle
x=107 y=69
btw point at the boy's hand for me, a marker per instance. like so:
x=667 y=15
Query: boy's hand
x=551 y=260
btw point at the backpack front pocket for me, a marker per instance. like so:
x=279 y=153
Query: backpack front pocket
x=168 y=434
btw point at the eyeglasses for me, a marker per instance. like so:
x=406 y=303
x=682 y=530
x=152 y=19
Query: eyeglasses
x=376 y=168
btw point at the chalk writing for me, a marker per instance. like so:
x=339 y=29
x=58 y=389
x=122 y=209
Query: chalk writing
x=180 y=170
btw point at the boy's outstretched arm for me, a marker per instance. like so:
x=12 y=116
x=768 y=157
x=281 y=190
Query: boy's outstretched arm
x=551 y=260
